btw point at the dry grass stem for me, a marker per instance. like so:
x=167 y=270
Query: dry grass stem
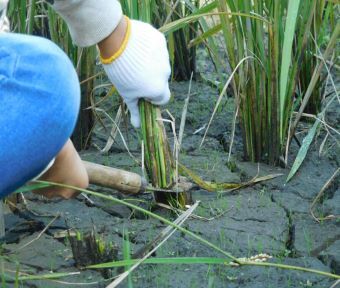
x=91 y=78
x=40 y=234
x=317 y=198
x=233 y=132
x=114 y=131
x=120 y=133
x=184 y=116
x=195 y=216
x=335 y=284
x=223 y=93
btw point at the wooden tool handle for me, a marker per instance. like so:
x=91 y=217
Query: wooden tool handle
x=123 y=181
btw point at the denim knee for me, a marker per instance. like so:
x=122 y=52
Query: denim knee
x=39 y=105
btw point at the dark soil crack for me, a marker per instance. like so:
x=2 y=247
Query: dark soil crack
x=289 y=244
x=107 y=210
x=303 y=197
x=325 y=245
x=249 y=219
x=36 y=267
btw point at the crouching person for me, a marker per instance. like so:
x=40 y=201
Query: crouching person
x=39 y=89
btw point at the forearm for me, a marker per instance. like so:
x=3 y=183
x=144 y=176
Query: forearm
x=111 y=44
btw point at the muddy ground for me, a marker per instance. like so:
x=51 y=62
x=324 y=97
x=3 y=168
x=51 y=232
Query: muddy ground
x=272 y=217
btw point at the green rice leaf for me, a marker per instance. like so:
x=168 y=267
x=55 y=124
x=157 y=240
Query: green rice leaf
x=292 y=15
x=206 y=35
x=303 y=150
x=180 y=23
x=30 y=187
x=172 y=260
x=126 y=255
x=47 y=276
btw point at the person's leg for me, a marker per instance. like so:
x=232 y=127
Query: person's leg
x=39 y=103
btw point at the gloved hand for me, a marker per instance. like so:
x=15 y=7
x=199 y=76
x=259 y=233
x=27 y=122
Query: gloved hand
x=140 y=68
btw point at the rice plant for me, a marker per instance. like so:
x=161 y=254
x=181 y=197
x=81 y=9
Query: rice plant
x=38 y=18
x=158 y=158
x=323 y=24
x=265 y=42
x=183 y=58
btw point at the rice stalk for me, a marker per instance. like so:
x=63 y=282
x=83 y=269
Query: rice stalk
x=158 y=158
x=322 y=25
x=183 y=57
x=316 y=75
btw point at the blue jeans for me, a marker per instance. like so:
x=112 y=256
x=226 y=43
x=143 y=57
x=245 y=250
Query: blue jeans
x=39 y=104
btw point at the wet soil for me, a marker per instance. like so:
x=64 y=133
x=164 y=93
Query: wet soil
x=272 y=217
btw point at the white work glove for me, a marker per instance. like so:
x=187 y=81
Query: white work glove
x=141 y=69
x=4 y=23
x=89 y=21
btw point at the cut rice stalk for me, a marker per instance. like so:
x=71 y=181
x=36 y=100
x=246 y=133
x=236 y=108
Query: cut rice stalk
x=158 y=159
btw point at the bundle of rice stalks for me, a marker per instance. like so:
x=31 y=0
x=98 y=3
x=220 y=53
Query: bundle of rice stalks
x=265 y=43
x=158 y=158
x=323 y=24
